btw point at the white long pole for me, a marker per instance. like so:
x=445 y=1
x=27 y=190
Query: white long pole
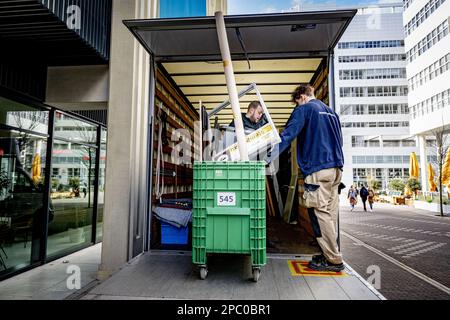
x=231 y=85
x=201 y=131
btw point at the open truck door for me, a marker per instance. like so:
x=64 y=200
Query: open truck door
x=276 y=51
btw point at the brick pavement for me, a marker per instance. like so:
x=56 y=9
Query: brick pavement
x=416 y=238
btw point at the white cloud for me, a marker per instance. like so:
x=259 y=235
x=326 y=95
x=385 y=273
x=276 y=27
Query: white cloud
x=270 y=9
x=310 y=5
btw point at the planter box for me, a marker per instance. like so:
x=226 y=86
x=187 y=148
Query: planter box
x=434 y=207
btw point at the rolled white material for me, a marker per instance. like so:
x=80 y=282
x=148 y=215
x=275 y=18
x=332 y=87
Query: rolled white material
x=200 y=131
x=231 y=85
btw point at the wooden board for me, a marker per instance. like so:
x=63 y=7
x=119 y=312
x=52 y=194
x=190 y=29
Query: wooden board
x=303 y=216
x=292 y=184
x=270 y=207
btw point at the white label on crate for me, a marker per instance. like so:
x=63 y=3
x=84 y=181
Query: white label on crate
x=226 y=198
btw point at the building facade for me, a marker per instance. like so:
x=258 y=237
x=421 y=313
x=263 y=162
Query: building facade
x=427 y=47
x=371 y=97
x=52 y=158
x=88 y=74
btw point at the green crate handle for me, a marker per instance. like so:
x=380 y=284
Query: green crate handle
x=228 y=211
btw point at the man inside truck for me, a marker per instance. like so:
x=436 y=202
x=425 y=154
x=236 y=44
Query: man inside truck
x=254 y=118
x=320 y=158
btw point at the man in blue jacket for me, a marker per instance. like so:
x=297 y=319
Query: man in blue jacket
x=320 y=158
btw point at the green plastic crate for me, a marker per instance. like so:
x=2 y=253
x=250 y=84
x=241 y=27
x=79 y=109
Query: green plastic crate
x=229 y=210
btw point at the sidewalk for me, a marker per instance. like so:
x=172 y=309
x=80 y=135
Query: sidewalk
x=170 y=275
x=344 y=203
x=49 y=282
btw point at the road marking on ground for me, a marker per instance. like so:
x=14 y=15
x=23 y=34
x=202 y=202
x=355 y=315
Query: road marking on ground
x=421 y=221
x=395 y=238
x=380 y=236
x=407 y=246
x=416 y=253
x=411 y=242
x=416 y=273
x=412 y=230
x=414 y=248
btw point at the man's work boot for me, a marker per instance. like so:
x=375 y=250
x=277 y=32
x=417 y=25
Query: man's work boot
x=324 y=265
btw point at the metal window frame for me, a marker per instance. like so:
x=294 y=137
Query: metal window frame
x=38 y=253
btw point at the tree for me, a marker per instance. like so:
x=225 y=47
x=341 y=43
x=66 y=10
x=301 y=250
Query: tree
x=397 y=185
x=441 y=145
x=55 y=183
x=74 y=182
x=89 y=135
x=413 y=184
x=27 y=120
x=374 y=184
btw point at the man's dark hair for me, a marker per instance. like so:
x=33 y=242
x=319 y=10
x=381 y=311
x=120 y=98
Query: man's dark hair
x=253 y=105
x=307 y=90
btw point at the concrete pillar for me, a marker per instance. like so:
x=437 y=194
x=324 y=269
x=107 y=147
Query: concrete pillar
x=127 y=145
x=423 y=163
x=216 y=5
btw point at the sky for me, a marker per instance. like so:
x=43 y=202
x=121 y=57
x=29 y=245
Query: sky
x=272 y=6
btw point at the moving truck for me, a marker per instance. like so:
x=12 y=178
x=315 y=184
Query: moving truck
x=277 y=52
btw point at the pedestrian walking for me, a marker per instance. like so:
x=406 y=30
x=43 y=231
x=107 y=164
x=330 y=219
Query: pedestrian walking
x=371 y=199
x=364 y=193
x=352 y=197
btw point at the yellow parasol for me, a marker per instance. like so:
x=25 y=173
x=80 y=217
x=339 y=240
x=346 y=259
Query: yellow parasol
x=408 y=191
x=446 y=170
x=36 y=169
x=431 y=182
x=413 y=166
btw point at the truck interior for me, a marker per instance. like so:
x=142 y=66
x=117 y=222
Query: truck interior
x=277 y=52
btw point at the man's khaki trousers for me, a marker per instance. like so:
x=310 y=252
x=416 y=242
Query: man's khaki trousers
x=326 y=211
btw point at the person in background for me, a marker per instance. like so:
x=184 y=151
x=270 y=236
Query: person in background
x=371 y=197
x=364 y=193
x=352 y=197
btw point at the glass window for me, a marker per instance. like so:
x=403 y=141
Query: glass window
x=23 y=117
x=75 y=130
x=409 y=143
x=21 y=196
x=72 y=195
x=391 y=143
